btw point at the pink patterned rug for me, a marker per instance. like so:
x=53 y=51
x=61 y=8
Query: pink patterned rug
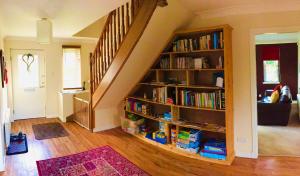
x=100 y=161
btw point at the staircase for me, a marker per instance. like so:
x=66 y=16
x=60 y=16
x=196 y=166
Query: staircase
x=121 y=58
x=122 y=30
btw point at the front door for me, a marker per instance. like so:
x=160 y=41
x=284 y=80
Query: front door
x=29 y=94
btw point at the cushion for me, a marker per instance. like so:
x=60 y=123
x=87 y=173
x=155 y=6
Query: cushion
x=274 y=97
x=278 y=87
x=286 y=96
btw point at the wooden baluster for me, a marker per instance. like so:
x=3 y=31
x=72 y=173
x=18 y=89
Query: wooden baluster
x=99 y=61
x=137 y=4
x=91 y=74
x=127 y=17
x=111 y=39
x=93 y=60
x=104 y=50
x=108 y=48
x=102 y=54
x=132 y=9
x=96 y=68
x=119 y=30
x=123 y=25
x=115 y=33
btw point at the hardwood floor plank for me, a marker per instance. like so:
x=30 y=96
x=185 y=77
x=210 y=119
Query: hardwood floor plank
x=153 y=160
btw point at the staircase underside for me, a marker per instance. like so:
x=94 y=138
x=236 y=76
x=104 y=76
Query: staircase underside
x=158 y=32
x=132 y=37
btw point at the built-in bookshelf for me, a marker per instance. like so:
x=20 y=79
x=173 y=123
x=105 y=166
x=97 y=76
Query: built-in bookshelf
x=185 y=101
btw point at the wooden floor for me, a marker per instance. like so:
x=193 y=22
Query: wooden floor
x=153 y=160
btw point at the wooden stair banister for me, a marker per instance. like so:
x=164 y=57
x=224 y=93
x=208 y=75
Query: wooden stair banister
x=122 y=30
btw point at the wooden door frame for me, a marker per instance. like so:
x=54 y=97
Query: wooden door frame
x=253 y=83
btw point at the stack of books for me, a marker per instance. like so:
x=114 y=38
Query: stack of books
x=209 y=41
x=213 y=100
x=160 y=95
x=185 y=45
x=189 y=140
x=214 y=149
x=184 y=62
x=189 y=62
x=165 y=63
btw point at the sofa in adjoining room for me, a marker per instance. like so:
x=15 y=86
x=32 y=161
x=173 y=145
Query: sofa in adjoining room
x=276 y=109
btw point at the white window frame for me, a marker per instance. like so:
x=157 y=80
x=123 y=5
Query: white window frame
x=79 y=86
x=264 y=72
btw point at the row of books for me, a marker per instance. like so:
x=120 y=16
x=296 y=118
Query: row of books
x=210 y=41
x=135 y=106
x=213 y=100
x=189 y=62
x=165 y=63
x=160 y=95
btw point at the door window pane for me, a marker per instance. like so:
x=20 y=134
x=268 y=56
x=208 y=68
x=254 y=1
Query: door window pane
x=28 y=71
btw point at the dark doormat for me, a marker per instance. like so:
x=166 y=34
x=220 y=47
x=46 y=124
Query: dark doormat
x=48 y=131
x=17 y=145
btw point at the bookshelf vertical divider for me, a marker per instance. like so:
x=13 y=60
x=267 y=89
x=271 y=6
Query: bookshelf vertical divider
x=183 y=83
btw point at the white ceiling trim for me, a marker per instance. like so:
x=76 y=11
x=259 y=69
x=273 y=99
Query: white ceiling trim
x=249 y=9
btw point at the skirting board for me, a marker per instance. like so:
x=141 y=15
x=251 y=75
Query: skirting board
x=246 y=155
x=95 y=130
x=51 y=116
x=2 y=163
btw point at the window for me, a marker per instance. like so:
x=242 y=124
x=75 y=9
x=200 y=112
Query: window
x=71 y=68
x=271 y=72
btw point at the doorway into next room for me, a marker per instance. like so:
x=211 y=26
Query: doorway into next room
x=277 y=63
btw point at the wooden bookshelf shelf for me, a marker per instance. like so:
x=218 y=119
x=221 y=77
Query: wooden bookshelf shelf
x=183 y=86
x=150 y=101
x=180 y=123
x=173 y=78
x=174 y=105
x=199 y=108
x=172 y=148
x=188 y=69
x=195 y=51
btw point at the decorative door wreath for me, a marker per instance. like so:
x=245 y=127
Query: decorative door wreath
x=28 y=59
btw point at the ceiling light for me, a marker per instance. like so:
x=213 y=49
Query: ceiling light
x=44 y=31
x=271 y=33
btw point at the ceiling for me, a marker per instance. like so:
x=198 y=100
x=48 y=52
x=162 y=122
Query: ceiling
x=18 y=17
x=217 y=8
x=70 y=17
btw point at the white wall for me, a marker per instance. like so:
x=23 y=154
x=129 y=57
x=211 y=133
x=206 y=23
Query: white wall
x=244 y=27
x=3 y=107
x=53 y=54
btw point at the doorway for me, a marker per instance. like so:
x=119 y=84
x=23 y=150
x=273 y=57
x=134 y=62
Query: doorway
x=28 y=84
x=278 y=124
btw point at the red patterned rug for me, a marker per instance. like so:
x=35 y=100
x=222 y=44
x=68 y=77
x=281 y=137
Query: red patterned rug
x=100 y=161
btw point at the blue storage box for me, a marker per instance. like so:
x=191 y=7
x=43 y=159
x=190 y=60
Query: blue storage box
x=157 y=139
